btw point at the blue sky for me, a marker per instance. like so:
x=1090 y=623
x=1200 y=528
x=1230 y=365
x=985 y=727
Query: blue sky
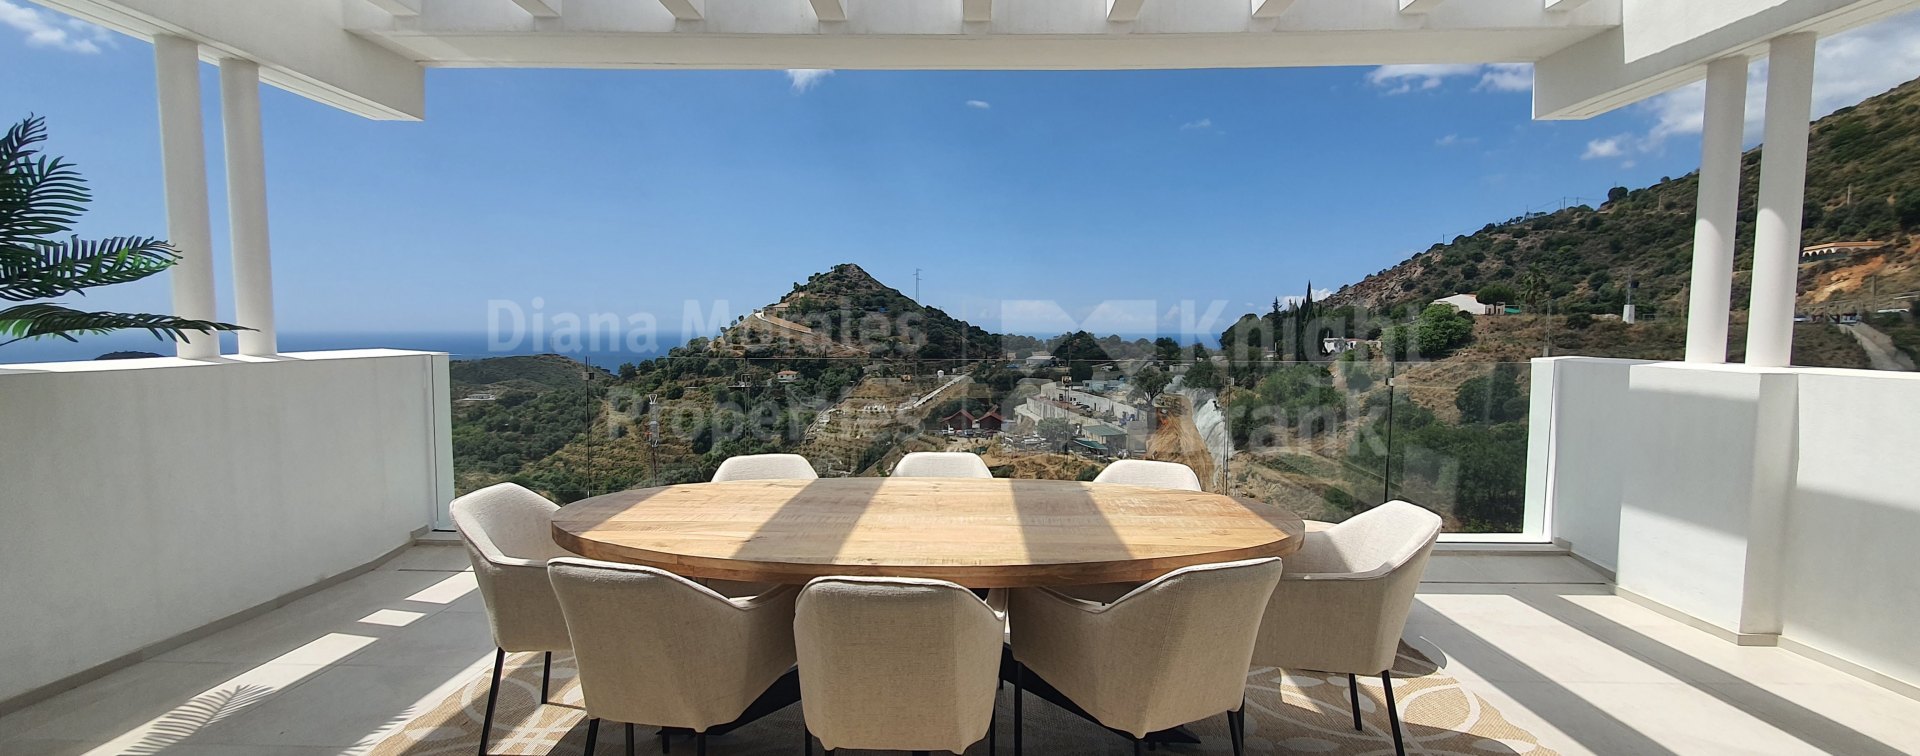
x=635 y=191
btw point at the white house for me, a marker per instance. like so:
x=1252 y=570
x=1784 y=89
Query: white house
x=1466 y=303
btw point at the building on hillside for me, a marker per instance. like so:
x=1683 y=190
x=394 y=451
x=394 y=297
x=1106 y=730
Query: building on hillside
x=787 y=376
x=1831 y=250
x=1332 y=345
x=991 y=421
x=1466 y=303
x=1040 y=360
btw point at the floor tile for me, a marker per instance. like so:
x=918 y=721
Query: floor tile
x=341 y=707
x=439 y=640
x=436 y=558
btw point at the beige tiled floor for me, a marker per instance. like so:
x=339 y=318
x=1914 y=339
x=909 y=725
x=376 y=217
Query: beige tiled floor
x=1541 y=637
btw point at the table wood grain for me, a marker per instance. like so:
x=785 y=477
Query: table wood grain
x=981 y=533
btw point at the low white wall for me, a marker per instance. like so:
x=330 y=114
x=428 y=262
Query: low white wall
x=1851 y=584
x=1782 y=501
x=141 y=499
x=1584 y=395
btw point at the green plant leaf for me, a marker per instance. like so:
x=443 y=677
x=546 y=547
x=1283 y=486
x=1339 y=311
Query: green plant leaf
x=43 y=319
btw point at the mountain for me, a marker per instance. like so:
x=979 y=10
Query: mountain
x=846 y=312
x=1863 y=183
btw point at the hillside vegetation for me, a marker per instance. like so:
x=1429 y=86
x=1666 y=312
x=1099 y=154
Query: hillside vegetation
x=1863 y=183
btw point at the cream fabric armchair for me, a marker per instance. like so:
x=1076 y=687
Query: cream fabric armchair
x=897 y=663
x=765 y=467
x=658 y=649
x=508 y=534
x=1173 y=651
x=1141 y=472
x=1343 y=604
x=941 y=465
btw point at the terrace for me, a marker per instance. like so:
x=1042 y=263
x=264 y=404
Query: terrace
x=1709 y=557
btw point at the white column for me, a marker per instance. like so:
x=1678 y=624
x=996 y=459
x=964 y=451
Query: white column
x=247 y=205
x=183 y=161
x=1783 y=187
x=1713 y=229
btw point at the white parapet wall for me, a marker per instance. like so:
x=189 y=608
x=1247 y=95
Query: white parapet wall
x=143 y=499
x=1768 y=505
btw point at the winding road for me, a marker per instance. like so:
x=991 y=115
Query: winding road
x=1881 y=353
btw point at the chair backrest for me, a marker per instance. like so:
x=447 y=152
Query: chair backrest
x=765 y=467
x=896 y=663
x=655 y=648
x=1140 y=472
x=1344 y=604
x=507 y=522
x=1178 y=648
x=941 y=465
x=508 y=534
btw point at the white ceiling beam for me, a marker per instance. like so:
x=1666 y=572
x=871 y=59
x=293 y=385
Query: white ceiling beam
x=1419 y=6
x=686 y=10
x=405 y=8
x=1124 y=10
x=976 y=10
x=830 y=10
x=1270 y=8
x=1564 y=6
x=540 y=8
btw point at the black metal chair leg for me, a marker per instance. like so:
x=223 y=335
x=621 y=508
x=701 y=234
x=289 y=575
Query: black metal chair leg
x=1136 y=747
x=546 y=674
x=700 y=744
x=1019 y=685
x=1393 y=713
x=493 y=697
x=1353 y=692
x=666 y=742
x=629 y=739
x=593 y=734
x=993 y=736
x=1236 y=729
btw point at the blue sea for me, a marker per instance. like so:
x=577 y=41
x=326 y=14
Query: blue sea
x=459 y=345
x=462 y=346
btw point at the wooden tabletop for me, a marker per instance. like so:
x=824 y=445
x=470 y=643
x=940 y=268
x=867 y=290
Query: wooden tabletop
x=981 y=533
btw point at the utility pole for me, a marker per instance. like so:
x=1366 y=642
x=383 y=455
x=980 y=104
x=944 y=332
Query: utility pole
x=916 y=285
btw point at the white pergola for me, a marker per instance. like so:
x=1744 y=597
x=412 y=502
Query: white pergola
x=1590 y=56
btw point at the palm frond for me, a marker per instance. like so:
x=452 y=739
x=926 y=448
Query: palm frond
x=40 y=196
x=49 y=319
x=55 y=269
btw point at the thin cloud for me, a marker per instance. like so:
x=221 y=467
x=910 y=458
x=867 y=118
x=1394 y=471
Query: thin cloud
x=979 y=104
x=804 y=79
x=1491 y=77
x=1455 y=140
x=1602 y=149
x=51 y=30
x=1847 y=68
x=1204 y=123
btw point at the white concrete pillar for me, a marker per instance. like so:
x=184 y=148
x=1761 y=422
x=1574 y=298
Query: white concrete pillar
x=1711 y=291
x=247 y=205
x=183 y=161
x=1783 y=189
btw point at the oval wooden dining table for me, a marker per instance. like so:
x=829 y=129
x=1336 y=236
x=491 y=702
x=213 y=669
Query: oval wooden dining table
x=977 y=532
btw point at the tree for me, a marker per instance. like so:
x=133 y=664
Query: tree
x=1167 y=350
x=41 y=198
x=1202 y=374
x=1057 y=431
x=1440 y=330
x=1152 y=381
x=1616 y=194
x=1497 y=294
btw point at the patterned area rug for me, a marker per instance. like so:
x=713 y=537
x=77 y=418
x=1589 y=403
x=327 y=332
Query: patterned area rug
x=1291 y=712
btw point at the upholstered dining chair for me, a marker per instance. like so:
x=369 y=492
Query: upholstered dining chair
x=897 y=663
x=941 y=465
x=1140 y=472
x=1343 y=603
x=1173 y=651
x=765 y=467
x=658 y=649
x=508 y=534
